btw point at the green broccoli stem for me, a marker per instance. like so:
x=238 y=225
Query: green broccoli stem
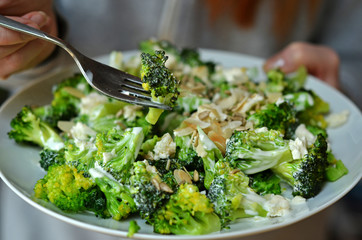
x=133 y=228
x=335 y=172
x=153 y=115
x=285 y=170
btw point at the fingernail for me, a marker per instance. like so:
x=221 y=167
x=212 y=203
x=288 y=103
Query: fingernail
x=40 y=18
x=278 y=63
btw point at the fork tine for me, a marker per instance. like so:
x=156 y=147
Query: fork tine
x=126 y=90
x=132 y=79
x=132 y=82
x=135 y=87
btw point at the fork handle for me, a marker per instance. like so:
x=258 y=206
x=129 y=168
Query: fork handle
x=20 y=27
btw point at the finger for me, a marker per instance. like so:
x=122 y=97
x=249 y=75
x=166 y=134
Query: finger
x=20 y=7
x=33 y=19
x=7 y=50
x=289 y=59
x=320 y=61
x=28 y=56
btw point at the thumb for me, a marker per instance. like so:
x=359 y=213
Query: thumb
x=38 y=19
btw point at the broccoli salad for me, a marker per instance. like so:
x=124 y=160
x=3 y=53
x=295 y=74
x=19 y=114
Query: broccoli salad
x=232 y=148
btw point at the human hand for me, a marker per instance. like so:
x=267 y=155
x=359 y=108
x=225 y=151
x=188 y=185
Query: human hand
x=320 y=61
x=20 y=51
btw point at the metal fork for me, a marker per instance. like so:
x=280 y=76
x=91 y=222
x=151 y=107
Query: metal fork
x=107 y=80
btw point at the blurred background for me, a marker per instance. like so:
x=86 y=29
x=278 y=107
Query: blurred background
x=255 y=27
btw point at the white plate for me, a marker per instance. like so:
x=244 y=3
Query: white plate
x=19 y=167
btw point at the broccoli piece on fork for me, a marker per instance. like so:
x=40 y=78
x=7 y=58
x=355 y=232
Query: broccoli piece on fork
x=160 y=81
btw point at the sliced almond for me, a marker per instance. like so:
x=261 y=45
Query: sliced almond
x=273 y=97
x=194 y=123
x=221 y=146
x=168 y=164
x=195 y=141
x=200 y=150
x=119 y=113
x=65 y=126
x=181 y=176
x=164 y=187
x=234 y=171
x=74 y=92
x=198 y=88
x=121 y=124
x=183 y=131
x=196 y=176
x=151 y=169
x=156 y=183
x=203 y=115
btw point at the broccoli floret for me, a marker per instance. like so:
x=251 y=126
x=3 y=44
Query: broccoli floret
x=301 y=100
x=160 y=81
x=28 y=128
x=314 y=116
x=168 y=122
x=117 y=150
x=148 y=189
x=265 y=182
x=187 y=212
x=66 y=99
x=306 y=175
x=46 y=113
x=104 y=116
x=280 y=117
x=70 y=190
x=166 y=168
x=148 y=145
x=257 y=150
x=120 y=203
x=80 y=154
x=211 y=154
x=192 y=58
x=279 y=82
x=297 y=80
x=140 y=122
x=231 y=195
x=190 y=103
x=275 y=81
x=186 y=155
x=51 y=157
x=315 y=130
x=187 y=56
x=96 y=202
